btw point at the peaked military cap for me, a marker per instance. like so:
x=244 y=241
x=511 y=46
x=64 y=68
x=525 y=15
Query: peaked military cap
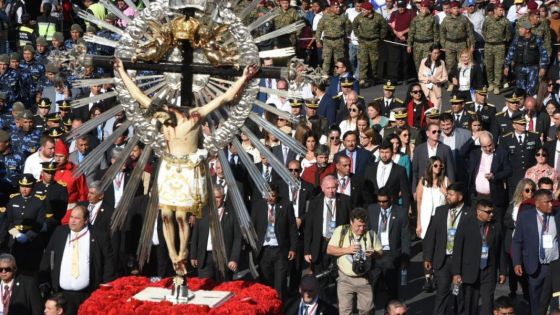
x=400 y=113
x=456 y=99
x=49 y=167
x=518 y=118
x=389 y=86
x=44 y=103
x=296 y=102
x=27 y=180
x=513 y=98
x=347 y=82
x=54 y=117
x=63 y=104
x=56 y=133
x=432 y=113
x=482 y=90
x=312 y=103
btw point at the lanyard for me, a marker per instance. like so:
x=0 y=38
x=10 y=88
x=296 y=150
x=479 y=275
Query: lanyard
x=544 y=223
x=484 y=235
x=78 y=237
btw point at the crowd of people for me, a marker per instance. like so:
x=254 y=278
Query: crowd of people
x=476 y=186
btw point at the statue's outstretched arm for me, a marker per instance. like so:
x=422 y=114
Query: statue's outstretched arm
x=132 y=88
x=229 y=95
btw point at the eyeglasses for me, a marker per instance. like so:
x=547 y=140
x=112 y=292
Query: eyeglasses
x=415 y=91
x=438 y=166
x=529 y=190
x=383 y=201
x=332 y=138
x=354 y=110
x=294 y=170
x=541 y=154
x=7 y=269
x=337 y=67
x=488 y=212
x=436 y=131
x=404 y=135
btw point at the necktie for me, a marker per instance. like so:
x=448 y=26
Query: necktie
x=6 y=298
x=457 y=118
x=387 y=104
x=269 y=83
x=329 y=217
x=520 y=140
x=304 y=309
x=285 y=150
x=383 y=220
x=267 y=174
x=542 y=255
x=342 y=184
x=294 y=194
x=271 y=217
x=478 y=108
x=100 y=133
x=221 y=182
x=531 y=125
x=351 y=161
x=453 y=216
x=232 y=160
x=484 y=260
x=75 y=259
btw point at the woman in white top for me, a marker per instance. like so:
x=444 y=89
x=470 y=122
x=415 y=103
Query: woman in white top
x=430 y=193
x=310 y=141
x=351 y=121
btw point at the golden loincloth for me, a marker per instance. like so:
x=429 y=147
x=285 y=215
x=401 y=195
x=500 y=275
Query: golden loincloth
x=182 y=184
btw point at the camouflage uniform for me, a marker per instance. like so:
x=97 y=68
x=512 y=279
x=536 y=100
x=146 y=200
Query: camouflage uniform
x=456 y=34
x=422 y=33
x=497 y=33
x=11 y=166
x=370 y=31
x=27 y=143
x=43 y=58
x=32 y=80
x=10 y=83
x=334 y=29
x=285 y=18
x=528 y=55
x=541 y=30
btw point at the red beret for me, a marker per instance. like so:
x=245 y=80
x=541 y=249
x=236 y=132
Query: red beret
x=367 y=6
x=498 y=5
x=532 y=6
x=425 y=3
x=454 y=4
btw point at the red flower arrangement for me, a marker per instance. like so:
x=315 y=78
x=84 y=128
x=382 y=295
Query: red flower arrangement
x=115 y=298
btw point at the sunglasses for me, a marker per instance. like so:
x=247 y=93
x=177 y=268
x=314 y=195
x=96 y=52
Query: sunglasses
x=489 y=212
x=337 y=67
x=529 y=190
x=7 y=269
x=415 y=91
x=354 y=110
x=436 y=131
x=383 y=201
x=541 y=154
x=294 y=170
x=332 y=138
x=438 y=166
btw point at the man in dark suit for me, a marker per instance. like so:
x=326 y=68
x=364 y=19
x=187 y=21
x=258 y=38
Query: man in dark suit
x=388 y=175
x=220 y=179
x=359 y=158
x=21 y=293
x=327 y=106
x=65 y=264
x=535 y=246
x=309 y=302
x=553 y=149
x=536 y=122
x=488 y=170
x=348 y=183
x=275 y=226
x=455 y=138
x=390 y=222
x=388 y=101
x=283 y=153
x=431 y=147
x=201 y=242
x=477 y=256
x=326 y=211
x=439 y=241
x=336 y=85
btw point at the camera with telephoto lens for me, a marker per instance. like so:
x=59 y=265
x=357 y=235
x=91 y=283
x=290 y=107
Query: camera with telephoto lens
x=360 y=263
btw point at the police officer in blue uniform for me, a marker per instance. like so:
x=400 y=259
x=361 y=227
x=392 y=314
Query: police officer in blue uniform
x=105 y=50
x=75 y=34
x=11 y=166
x=34 y=73
x=25 y=216
x=26 y=137
x=42 y=51
x=10 y=80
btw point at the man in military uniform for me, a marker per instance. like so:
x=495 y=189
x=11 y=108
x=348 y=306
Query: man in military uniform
x=456 y=34
x=318 y=124
x=35 y=71
x=522 y=147
x=286 y=16
x=496 y=31
x=296 y=105
x=331 y=34
x=26 y=137
x=346 y=86
x=11 y=165
x=462 y=117
x=485 y=111
x=14 y=61
x=40 y=119
x=371 y=28
x=64 y=109
x=422 y=34
x=25 y=215
x=10 y=80
x=42 y=51
x=53 y=121
x=55 y=195
x=528 y=54
x=388 y=101
x=401 y=121
x=502 y=121
x=75 y=34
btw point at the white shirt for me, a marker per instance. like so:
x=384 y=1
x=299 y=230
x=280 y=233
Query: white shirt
x=94 y=212
x=316 y=20
x=66 y=280
x=281 y=105
x=449 y=140
x=477 y=19
x=296 y=203
x=346 y=188
x=383 y=171
x=272 y=241
x=512 y=14
x=209 y=243
x=33 y=164
x=155 y=237
x=431 y=152
x=118 y=184
x=517 y=135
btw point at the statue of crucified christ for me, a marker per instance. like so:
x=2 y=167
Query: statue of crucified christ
x=181 y=179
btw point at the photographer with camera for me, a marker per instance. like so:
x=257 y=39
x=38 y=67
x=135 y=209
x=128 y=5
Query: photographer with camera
x=355 y=247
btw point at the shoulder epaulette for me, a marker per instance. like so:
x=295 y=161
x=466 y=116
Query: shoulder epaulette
x=507 y=134
x=61 y=183
x=336 y=97
x=469 y=103
x=49 y=215
x=491 y=105
x=501 y=114
x=14 y=195
x=40 y=197
x=534 y=132
x=398 y=100
x=378 y=98
x=2 y=209
x=471 y=112
x=448 y=111
x=359 y=96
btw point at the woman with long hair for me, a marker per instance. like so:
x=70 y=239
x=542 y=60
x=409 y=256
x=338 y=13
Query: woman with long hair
x=399 y=157
x=523 y=193
x=407 y=145
x=542 y=169
x=370 y=140
x=430 y=194
x=310 y=141
x=376 y=120
x=432 y=74
x=466 y=76
x=351 y=120
x=416 y=105
x=334 y=142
